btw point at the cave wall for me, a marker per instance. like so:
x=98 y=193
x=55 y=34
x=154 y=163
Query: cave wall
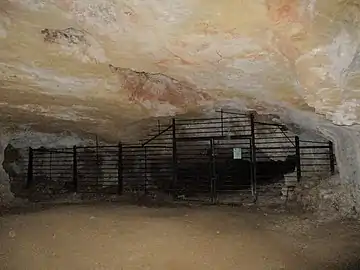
x=6 y=196
x=14 y=157
x=15 y=165
x=347 y=150
x=344 y=187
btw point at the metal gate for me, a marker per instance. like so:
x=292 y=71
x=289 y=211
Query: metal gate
x=209 y=159
x=50 y=170
x=211 y=169
x=194 y=169
x=233 y=170
x=96 y=169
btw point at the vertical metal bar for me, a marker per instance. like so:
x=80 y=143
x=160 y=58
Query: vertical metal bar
x=212 y=173
x=50 y=164
x=222 y=122
x=332 y=158
x=253 y=157
x=120 y=170
x=145 y=168
x=97 y=163
x=75 y=178
x=159 y=126
x=30 y=168
x=298 y=158
x=251 y=162
x=174 y=156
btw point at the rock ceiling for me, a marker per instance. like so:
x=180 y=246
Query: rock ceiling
x=94 y=66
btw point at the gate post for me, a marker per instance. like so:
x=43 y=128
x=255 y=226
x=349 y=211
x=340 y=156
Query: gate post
x=174 y=156
x=222 y=122
x=298 y=158
x=159 y=126
x=332 y=157
x=146 y=171
x=75 y=178
x=30 y=168
x=253 y=157
x=120 y=170
x=213 y=188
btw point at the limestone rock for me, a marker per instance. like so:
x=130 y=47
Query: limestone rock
x=298 y=60
x=69 y=36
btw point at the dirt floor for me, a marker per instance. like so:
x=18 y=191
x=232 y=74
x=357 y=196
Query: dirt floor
x=115 y=236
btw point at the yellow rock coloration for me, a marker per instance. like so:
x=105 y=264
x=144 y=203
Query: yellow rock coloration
x=287 y=53
x=94 y=66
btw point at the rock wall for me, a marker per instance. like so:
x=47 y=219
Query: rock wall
x=12 y=169
x=347 y=150
x=326 y=197
x=6 y=196
x=345 y=185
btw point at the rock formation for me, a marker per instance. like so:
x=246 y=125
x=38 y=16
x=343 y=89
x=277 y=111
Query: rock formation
x=297 y=59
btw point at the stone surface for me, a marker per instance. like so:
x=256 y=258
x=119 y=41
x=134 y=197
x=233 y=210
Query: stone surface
x=99 y=66
x=14 y=167
x=327 y=197
x=6 y=196
x=214 y=51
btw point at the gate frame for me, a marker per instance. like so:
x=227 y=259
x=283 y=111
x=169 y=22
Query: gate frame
x=212 y=162
x=196 y=139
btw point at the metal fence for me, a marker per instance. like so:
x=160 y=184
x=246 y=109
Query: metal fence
x=96 y=169
x=277 y=157
x=204 y=159
x=317 y=159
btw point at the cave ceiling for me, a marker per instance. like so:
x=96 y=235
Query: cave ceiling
x=96 y=66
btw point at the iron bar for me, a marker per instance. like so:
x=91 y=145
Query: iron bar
x=232 y=137
x=269 y=124
x=315 y=147
x=174 y=154
x=195 y=120
x=253 y=156
x=75 y=176
x=120 y=170
x=97 y=161
x=222 y=122
x=332 y=158
x=212 y=172
x=50 y=165
x=30 y=168
x=156 y=136
x=298 y=158
x=145 y=171
x=315 y=142
x=283 y=132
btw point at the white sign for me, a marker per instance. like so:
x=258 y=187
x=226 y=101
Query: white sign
x=237 y=153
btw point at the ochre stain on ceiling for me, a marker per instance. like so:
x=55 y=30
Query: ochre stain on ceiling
x=99 y=65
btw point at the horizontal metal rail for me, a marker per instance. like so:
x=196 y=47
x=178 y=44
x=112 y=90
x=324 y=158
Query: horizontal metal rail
x=156 y=136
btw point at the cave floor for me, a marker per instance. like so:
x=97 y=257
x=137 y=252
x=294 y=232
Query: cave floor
x=121 y=237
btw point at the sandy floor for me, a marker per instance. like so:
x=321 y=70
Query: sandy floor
x=111 y=236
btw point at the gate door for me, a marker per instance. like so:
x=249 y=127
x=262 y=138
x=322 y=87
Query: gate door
x=97 y=169
x=194 y=169
x=233 y=168
x=52 y=170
